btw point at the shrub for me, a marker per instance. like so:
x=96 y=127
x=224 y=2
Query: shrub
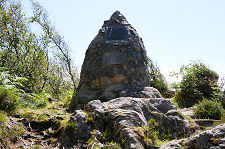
x=8 y=99
x=161 y=85
x=34 y=101
x=66 y=99
x=2 y=117
x=198 y=82
x=222 y=99
x=209 y=109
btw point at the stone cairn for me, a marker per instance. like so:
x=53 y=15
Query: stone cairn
x=115 y=63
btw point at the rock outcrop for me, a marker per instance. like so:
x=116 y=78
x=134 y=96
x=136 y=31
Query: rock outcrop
x=115 y=63
x=123 y=118
x=213 y=139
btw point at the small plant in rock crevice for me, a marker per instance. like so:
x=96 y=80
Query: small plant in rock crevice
x=148 y=133
x=72 y=125
x=90 y=117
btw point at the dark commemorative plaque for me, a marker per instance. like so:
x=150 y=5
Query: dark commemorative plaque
x=115 y=33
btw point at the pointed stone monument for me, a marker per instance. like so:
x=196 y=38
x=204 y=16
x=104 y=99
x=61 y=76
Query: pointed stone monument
x=115 y=63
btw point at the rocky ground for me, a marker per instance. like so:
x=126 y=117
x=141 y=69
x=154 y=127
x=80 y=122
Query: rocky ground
x=124 y=122
x=39 y=128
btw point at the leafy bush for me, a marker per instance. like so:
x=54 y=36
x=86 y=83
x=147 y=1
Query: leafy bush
x=161 y=85
x=198 y=82
x=12 y=93
x=209 y=109
x=34 y=101
x=42 y=59
x=2 y=117
x=222 y=99
x=8 y=99
x=66 y=99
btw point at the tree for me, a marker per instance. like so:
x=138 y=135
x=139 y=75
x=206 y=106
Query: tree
x=41 y=58
x=198 y=82
x=61 y=49
x=23 y=52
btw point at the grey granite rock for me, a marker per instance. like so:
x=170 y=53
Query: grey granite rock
x=81 y=131
x=123 y=116
x=213 y=139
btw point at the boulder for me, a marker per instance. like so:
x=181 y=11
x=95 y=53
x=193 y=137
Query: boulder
x=80 y=130
x=124 y=117
x=213 y=139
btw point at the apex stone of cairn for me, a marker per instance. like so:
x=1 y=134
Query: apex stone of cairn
x=115 y=63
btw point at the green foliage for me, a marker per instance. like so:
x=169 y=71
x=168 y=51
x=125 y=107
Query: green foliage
x=34 y=101
x=37 y=146
x=222 y=98
x=149 y=133
x=62 y=51
x=8 y=133
x=8 y=99
x=157 y=80
x=66 y=99
x=93 y=143
x=33 y=56
x=12 y=93
x=198 y=82
x=74 y=101
x=165 y=136
x=161 y=85
x=90 y=117
x=23 y=52
x=111 y=145
x=106 y=134
x=222 y=120
x=71 y=125
x=152 y=123
x=209 y=109
x=3 y=117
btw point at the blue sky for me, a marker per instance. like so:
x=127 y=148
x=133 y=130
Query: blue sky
x=174 y=32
